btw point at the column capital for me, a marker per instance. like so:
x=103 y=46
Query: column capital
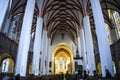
x=40 y=7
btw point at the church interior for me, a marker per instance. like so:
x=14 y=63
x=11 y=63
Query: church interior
x=48 y=38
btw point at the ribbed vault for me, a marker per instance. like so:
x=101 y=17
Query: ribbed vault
x=64 y=16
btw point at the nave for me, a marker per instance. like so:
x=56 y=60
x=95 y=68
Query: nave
x=48 y=38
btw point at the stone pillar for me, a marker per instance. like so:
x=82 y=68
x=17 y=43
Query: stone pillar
x=23 y=48
x=46 y=52
x=36 y=48
x=89 y=45
x=83 y=49
x=43 y=53
x=104 y=48
x=79 y=50
x=3 y=9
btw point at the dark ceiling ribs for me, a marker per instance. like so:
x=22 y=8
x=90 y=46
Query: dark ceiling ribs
x=61 y=16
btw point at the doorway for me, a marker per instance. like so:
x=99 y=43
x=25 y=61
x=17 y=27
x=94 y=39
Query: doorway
x=62 y=59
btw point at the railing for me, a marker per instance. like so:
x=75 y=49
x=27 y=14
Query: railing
x=115 y=50
x=55 y=77
x=2 y=75
x=7 y=45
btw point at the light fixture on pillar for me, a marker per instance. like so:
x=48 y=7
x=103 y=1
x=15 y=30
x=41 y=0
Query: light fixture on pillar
x=77 y=57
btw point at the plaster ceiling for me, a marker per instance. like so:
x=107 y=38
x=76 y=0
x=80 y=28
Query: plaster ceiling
x=64 y=16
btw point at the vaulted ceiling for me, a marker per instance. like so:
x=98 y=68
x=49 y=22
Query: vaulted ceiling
x=64 y=16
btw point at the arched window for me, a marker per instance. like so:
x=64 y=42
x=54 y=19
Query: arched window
x=116 y=17
x=8 y=65
x=15 y=27
x=4 y=66
x=108 y=33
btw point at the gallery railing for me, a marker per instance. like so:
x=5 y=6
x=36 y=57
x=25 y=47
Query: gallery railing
x=115 y=50
x=7 y=45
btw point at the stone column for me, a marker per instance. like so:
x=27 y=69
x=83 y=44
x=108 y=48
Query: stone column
x=79 y=50
x=22 y=55
x=104 y=48
x=83 y=48
x=89 y=45
x=46 y=52
x=3 y=9
x=37 y=45
x=43 y=53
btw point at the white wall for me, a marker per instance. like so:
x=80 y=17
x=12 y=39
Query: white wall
x=58 y=39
